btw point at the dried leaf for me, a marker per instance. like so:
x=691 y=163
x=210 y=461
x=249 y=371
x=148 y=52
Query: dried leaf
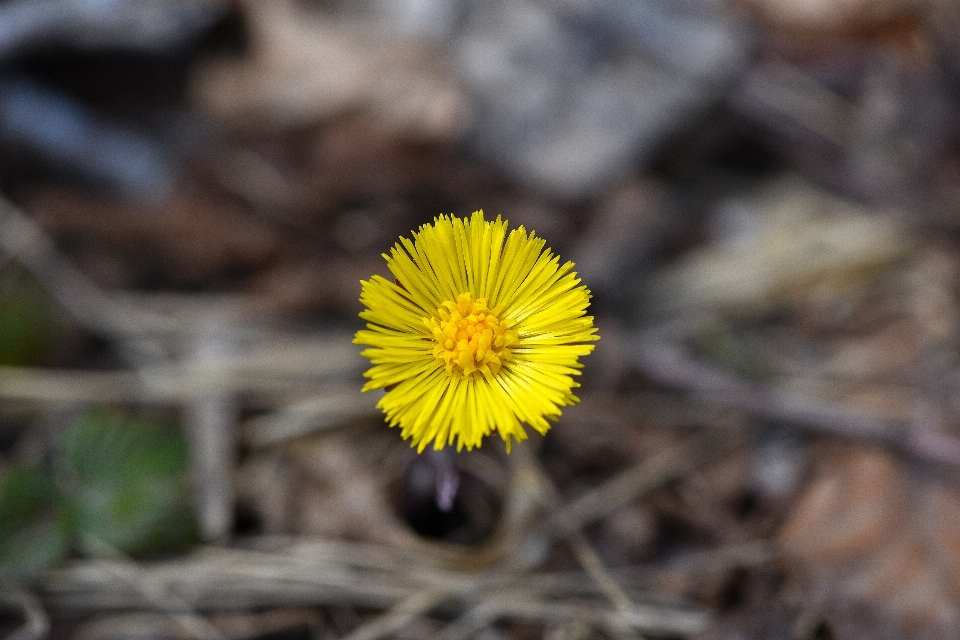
x=793 y=238
x=304 y=68
x=877 y=544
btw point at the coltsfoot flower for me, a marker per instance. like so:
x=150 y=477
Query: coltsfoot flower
x=480 y=331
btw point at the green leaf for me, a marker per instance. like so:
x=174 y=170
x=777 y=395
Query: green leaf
x=129 y=483
x=35 y=528
x=30 y=326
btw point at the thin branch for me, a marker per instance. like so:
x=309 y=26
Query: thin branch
x=584 y=552
x=645 y=476
x=670 y=365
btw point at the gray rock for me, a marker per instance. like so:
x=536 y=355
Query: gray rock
x=570 y=95
x=53 y=125
x=151 y=25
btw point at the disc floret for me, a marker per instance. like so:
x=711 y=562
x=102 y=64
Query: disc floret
x=470 y=339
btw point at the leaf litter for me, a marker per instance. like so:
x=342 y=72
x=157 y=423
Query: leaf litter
x=766 y=445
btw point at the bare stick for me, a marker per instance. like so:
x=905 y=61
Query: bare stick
x=211 y=421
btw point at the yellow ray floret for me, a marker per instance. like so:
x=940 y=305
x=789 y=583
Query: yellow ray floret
x=481 y=330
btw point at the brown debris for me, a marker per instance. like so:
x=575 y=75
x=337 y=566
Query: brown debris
x=194 y=238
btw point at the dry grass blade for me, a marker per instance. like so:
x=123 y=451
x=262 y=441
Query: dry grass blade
x=399 y=616
x=782 y=90
x=593 y=565
x=329 y=572
x=584 y=552
x=519 y=607
x=320 y=572
x=153 y=593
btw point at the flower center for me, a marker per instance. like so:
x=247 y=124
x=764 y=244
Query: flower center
x=470 y=338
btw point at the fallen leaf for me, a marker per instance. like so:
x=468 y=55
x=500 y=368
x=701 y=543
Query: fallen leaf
x=303 y=68
x=877 y=543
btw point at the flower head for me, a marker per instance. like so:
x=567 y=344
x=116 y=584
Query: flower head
x=480 y=331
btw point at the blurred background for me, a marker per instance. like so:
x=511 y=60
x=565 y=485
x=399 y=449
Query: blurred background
x=762 y=195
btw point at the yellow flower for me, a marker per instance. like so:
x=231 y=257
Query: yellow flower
x=481 y=331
